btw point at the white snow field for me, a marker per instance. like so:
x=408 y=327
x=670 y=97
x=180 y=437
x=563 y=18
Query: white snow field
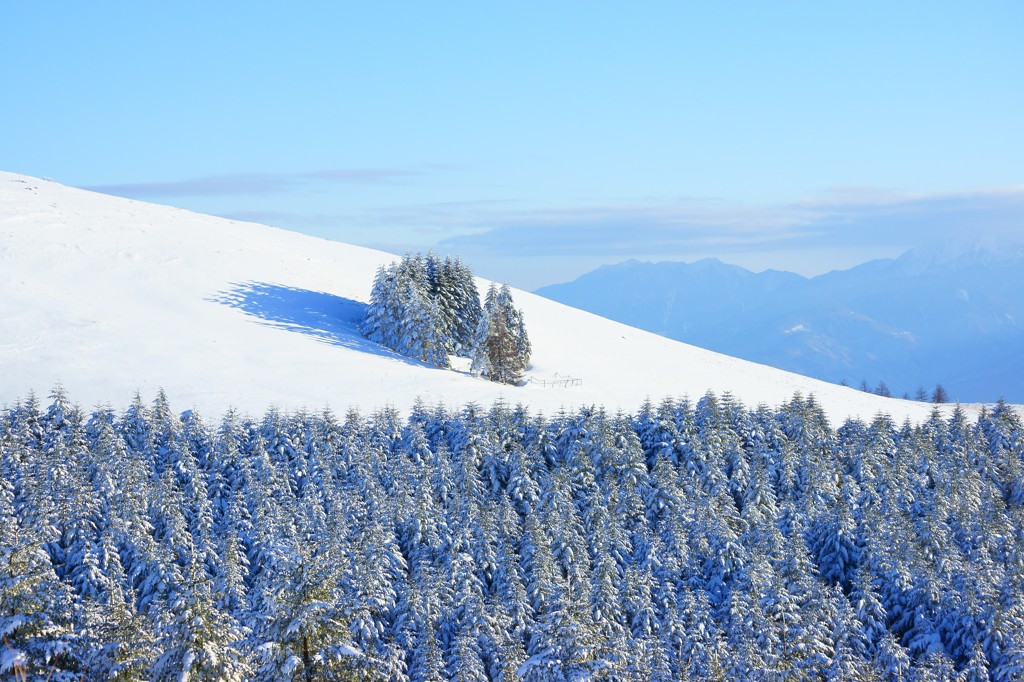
x=110 y=297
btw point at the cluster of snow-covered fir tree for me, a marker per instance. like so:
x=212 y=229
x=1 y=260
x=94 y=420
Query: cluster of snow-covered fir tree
x=688 y=541
x=429 y=309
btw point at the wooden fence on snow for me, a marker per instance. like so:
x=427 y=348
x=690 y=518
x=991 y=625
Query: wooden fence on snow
x=558 y=381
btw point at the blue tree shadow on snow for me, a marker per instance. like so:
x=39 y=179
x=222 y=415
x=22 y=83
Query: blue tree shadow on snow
x=327 y=318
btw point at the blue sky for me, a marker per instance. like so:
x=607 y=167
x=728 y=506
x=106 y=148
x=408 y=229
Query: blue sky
x=538 y=140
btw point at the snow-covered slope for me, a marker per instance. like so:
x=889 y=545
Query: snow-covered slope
x=109 y=296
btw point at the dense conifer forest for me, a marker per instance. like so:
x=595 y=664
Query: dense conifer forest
x=701 y=541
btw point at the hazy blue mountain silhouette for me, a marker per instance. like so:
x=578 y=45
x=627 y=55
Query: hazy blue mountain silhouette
x=918 y=320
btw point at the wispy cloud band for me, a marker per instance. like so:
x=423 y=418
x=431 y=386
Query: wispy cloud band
x=844 y=221
x=256 y=183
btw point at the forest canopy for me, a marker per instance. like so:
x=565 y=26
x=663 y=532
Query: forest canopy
x=698 y=540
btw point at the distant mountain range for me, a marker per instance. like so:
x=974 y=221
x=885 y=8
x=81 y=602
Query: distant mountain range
x=950 y=316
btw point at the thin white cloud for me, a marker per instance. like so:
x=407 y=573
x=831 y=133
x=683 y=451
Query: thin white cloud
x=852 y=219
x=256 y=183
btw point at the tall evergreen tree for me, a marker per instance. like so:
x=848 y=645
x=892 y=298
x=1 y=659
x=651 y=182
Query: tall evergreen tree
x=198 y=641
x=39 y=640
x=502 y=347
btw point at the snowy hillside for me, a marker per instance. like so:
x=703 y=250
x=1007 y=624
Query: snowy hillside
x=109 y=296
